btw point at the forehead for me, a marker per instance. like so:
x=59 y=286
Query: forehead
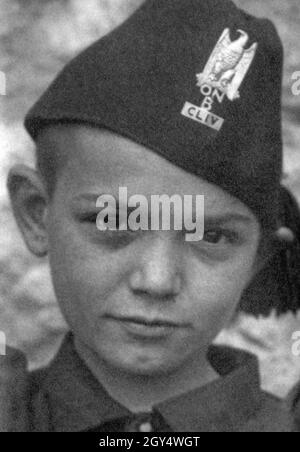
x=99 y=161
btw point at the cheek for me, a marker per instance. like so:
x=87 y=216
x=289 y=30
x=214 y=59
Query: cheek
x=216 y=291
x=84 y=276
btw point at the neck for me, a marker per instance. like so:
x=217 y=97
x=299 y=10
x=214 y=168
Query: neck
x=139 y=393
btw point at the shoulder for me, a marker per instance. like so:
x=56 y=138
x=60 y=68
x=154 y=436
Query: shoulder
x=272 y=416
x=38 y=404
x=293 y=403
x=17 y=389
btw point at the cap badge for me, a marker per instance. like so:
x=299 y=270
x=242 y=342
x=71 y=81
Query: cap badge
x=228 y=64
x=222 y=76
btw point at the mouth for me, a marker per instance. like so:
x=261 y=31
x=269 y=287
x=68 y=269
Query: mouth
x=149 y=322
x=147 y=327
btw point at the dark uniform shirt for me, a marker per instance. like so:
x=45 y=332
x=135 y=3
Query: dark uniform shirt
x=293 y=403
x=67 y=397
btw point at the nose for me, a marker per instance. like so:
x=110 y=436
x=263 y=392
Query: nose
x=158 y=272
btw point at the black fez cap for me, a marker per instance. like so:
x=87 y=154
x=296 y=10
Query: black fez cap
x=198 y=82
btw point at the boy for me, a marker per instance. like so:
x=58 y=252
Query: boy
x=183 y=98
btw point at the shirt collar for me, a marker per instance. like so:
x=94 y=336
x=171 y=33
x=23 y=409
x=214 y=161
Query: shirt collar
x=223 y=405
x=77 y=401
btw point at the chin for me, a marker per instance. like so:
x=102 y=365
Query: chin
x=144 y=364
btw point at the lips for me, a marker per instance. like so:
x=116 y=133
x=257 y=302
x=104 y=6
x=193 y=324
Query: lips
x=146 y=328
x=156 y=322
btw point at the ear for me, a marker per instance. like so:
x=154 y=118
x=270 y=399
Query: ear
x=30 y=201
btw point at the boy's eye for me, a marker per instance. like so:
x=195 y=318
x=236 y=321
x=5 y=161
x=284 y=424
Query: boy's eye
x=91 y=218
x=216 y=236
x=113 y=238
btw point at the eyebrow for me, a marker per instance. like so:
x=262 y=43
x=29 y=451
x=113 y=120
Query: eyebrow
x=229 y=217
x=91 y=199
x=85 y=199
x=216 y=219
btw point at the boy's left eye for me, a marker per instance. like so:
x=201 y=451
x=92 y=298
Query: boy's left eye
x=215 y=236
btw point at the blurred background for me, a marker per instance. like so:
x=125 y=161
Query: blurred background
x=37 y=37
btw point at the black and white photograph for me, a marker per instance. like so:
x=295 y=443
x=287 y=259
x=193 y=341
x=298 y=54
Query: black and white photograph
x=149 y=219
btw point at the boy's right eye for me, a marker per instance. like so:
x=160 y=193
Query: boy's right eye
x=90 y=219
x=114 y=238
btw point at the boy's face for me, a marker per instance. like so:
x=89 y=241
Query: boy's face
x=146 y=302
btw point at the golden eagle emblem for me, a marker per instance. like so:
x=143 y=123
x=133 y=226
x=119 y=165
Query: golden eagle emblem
x=228 y=64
